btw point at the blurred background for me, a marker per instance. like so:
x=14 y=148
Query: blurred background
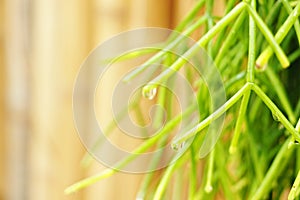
x=42 y=45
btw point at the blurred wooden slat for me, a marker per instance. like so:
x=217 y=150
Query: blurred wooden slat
x=150 y=13
x=181 y=8
x=159 y=13
x=137 y=14
x=60 y=40
x=2 y=106
x=16 y=96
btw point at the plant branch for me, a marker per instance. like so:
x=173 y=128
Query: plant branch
x=240 y=120
x=289 y=9
x=167 y=176
x=279 y=36
x=195 y=48
x=269 y=37
x=274 y=171
x=276 y=112
x=213 y=116
x=278 y=87
x=252 y=47
x=293 y=193
x=142 y=148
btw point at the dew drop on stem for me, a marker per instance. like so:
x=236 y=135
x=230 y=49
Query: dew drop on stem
x=177 y=147
x=149 y=93
x=208 y=189
x=275 y=117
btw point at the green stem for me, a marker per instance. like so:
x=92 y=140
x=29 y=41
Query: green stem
x=190 y=16
x=177 y=180
x=154 y=59
x=298 y=126
x=295 y=187
x=252 y=46
x=210 y=23
x=269 y=37
x=250 y=78
x=294 y=56
x=193 y=173
x=223 y=176
x=208 y=186
x=140 y=120
x=232 y=15
x=230 y=38
x=142 y=148
x=159 y=114
x=150 y=176
x=235 y=80
x=239 y=123
x=87 y=158
x=278 y=87
x=274 y=171
x=289 y=9
x=276 y=112
x=213 y=116
x=167 y=176
x=195 y=48
x=222 y=35
x=280 y=35
x=254 y=154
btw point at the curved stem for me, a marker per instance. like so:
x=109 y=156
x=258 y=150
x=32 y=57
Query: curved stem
x=293 y=193
x=142 y=148
x=190 y=16
x=195 y=48
x=230 y=38
x=276 y=112
x=289 y=9
x=161 y=52
x=239 y=123
x=214 y=115
x=279 y=36
x=278 y=87
x=274 y=171
x=269 y=37
x=167 y=176
x=252 y=47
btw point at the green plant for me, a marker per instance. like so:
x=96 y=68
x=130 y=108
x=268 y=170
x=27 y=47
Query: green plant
x=258 y=155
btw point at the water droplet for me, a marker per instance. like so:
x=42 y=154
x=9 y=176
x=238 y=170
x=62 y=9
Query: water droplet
x=149 y=93
x=208 y=189
x=275 y=116
x=280 y=126
x=177 y=147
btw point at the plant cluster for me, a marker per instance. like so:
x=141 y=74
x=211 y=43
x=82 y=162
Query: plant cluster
x=255 y=46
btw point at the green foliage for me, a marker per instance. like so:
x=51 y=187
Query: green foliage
x=255 y=46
